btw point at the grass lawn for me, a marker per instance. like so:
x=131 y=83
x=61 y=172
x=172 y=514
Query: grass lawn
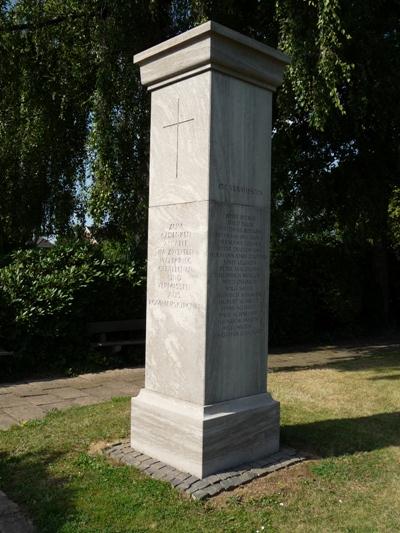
x=346 y=413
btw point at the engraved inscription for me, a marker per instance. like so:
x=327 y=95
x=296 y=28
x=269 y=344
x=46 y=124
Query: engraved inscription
x=232 y=187
x=240 y=258
x=175 y=256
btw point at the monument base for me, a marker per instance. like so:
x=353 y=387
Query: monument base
x=203 y=440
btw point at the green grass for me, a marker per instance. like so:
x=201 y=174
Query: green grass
x=347 y=413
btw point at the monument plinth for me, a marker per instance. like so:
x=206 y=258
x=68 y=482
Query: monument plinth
x=205 y=406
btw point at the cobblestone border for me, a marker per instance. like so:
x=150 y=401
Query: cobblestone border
x=200 y=489
x=11 y=518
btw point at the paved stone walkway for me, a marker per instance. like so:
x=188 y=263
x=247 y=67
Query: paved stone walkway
x=30 y=400
x=298 y=358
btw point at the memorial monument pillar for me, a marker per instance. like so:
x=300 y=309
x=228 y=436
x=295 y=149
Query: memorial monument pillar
x=204 y=407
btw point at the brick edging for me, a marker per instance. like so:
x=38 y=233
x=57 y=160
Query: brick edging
x=200 y=489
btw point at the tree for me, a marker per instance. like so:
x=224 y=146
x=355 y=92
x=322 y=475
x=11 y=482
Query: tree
x=71 y=110
x=346 y=174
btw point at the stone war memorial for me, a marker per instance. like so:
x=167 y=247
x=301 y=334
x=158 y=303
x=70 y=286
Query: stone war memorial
x=205 y=407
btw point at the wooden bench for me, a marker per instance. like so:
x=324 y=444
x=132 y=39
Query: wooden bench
x=117 y=334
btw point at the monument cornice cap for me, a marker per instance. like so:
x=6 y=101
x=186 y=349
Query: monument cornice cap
x=211 y=46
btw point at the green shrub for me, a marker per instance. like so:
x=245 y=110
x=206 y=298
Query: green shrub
x=47 y=297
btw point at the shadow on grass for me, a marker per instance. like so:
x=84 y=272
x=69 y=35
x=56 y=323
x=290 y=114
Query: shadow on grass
x=27 y=480
x=388 y=341
x=367 y=358
x=332 y=438
x=391 y=377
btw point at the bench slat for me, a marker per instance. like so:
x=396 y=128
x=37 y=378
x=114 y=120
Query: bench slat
x=120 y=325
x=117 y=343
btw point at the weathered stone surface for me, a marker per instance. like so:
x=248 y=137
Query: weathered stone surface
x=155 y=467
x=201 y=484
x=68 y=393
x=228 y=51
x=6 y=421
x=200 y=494
x=6 y=389
x=103 y=393
x=199 y=439
x=188 y=482
x=146 y=464
x=22 y=413
x=131 y=460
x=10 y=400
x=208 y=251
x=159 y=472
x=212 y=490
x=246 y=476
x=42 y=399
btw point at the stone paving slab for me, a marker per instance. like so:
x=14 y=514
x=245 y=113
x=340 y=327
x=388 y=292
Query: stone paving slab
x=12 y=520
x=6 y=389
x=22 y=413
x=6 y=421
x=200 y=489
x=68 y=393
x=42 y=399
x=104 y=393
x=10 y=400
x=87 y=400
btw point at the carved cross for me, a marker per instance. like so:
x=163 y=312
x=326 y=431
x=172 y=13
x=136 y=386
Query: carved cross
x=177 y=124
